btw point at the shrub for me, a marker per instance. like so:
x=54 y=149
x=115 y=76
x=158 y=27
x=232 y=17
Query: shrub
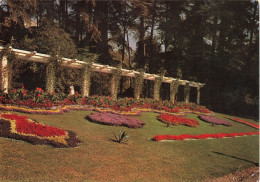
x=121 y=137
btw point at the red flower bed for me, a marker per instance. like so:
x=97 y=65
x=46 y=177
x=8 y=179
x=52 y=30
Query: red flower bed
x=38 y=98
x=23 y=128
x=171 y=119
x=245 y=122
x=26 y=127
x=202 y=136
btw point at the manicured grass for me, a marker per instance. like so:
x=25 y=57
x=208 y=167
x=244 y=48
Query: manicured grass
x=141 y=159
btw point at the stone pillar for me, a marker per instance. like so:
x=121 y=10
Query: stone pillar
x=86 y=79
x=138 y=85
x=4 y=75
x=198 y=95
x=156 y=88
x=85 y=87
x=187 y=93
x=113 y=88
x=156 y=93
x=174 y=89
x=50 y=80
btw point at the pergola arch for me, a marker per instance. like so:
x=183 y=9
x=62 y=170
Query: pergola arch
x=77 y=64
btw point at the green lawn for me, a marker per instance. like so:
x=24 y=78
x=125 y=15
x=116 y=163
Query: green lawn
x=141 y=159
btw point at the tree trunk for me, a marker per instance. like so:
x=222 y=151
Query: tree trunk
x=128 y=47
x=214 y=36
x=153 y=20
x=166 y=40
x=123 y=45
x=102 y=8
x=252 y=25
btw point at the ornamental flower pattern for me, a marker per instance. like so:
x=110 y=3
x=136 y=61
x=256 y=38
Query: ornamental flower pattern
x=202 y=136
x=22 y=128
x=40 y=99
x=115 y=120
x=214 y=120
x=175 y=120
x=245 y=122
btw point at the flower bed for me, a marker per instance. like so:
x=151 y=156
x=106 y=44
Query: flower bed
x=175 y=120
x=22 y=128
x=202 y=136
x=214 y=120
x=45 y=102
x=115 y=120
x=245 y=122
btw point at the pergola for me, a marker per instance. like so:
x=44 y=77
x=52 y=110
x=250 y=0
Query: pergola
x=77 y=64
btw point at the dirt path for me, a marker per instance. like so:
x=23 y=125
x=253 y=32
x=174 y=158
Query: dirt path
x=245 y=175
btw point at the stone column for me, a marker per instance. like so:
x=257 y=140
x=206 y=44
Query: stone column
x=138 y=85
x=50 y=80
x=4 y=75
x=86 y=82
x=85 y=87
x=156 y=93
x=174 y=89
x=187 y=93
x=156 y=88
x=198 y=95
x=113 y=91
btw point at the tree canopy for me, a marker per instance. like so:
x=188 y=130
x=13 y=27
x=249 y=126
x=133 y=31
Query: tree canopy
x=215 y=42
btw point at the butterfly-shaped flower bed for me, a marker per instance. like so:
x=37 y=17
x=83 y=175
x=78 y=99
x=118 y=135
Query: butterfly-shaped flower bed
x=175 y=120
x=214 y=120
x=115 y=120
x=22 y=128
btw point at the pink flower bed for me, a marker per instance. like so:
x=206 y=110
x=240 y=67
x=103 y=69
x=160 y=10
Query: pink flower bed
x=202 y=136
x=214 y=120
x=115 y=120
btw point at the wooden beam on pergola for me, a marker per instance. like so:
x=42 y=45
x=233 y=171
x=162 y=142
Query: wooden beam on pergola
x=74 y=63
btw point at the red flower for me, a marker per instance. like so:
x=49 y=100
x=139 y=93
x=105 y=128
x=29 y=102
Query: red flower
x=22 y=87
x=24 y=92
x=171 y=119
x=202 y=136
x=39 y=95
x=245 y=122
x=39 y=89
x=26 y=127
x=12 y=91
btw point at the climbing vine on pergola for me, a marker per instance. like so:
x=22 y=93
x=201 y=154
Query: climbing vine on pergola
x=88 y=68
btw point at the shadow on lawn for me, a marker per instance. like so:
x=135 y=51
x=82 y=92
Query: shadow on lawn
x=256 y=164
